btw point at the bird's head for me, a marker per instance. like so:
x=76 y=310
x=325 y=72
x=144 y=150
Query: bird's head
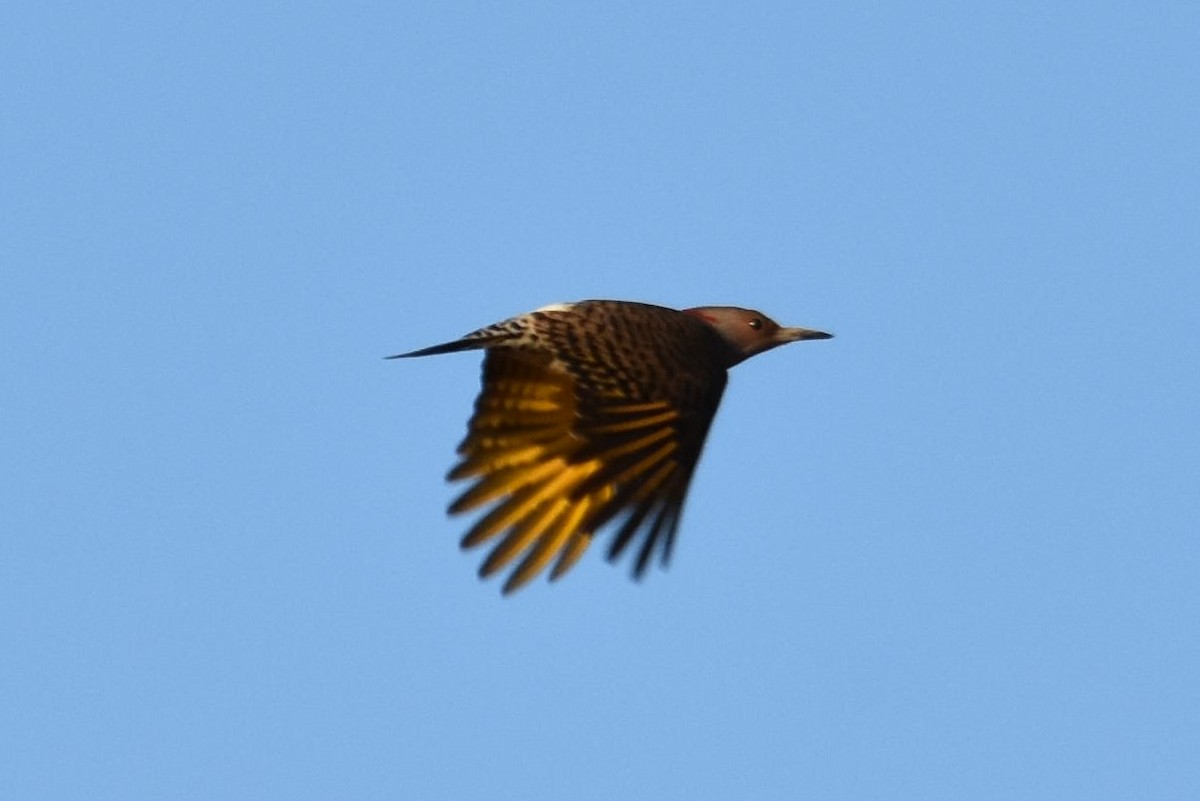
x=748 y=332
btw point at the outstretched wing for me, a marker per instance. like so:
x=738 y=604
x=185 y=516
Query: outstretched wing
x=556 y=461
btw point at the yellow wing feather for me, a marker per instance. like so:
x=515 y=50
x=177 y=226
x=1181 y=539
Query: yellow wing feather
x=555 y=472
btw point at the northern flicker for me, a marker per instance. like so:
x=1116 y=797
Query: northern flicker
x=590 y=412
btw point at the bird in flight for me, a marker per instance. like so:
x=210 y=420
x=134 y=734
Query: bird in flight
x=589 y=413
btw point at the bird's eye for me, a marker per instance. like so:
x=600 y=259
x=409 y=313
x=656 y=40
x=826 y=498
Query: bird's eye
x=756 y=323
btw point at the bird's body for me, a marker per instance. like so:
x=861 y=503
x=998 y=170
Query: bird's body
x=593 y=411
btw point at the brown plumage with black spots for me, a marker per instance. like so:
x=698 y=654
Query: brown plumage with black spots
x=593 y=413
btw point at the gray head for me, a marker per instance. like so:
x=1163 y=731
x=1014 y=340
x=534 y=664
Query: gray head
x=749 y=332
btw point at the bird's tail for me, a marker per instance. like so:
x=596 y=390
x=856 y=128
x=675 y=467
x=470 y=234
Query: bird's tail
x=470 y=342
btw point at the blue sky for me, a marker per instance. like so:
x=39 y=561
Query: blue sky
x=951 y=553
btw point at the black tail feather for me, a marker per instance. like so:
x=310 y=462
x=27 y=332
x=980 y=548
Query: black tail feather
x=451 y=347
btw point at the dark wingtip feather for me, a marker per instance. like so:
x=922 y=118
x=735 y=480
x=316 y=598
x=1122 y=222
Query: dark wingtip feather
x=652 y=538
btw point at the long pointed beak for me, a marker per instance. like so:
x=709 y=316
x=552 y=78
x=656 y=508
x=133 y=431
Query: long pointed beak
x=797 y=334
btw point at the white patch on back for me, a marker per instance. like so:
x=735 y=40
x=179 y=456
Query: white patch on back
x=557 y=307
